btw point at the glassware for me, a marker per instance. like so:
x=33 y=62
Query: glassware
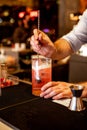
x=13 y=79
x=3 y=70
x=41 y=72
x=5 y=78
x=76 y=103
x=3 y=74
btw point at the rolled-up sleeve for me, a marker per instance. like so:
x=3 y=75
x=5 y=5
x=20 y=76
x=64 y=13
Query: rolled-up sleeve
x=78 y=36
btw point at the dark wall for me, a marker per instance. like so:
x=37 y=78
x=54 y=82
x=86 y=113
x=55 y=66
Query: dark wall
x=49 y=17
x=65 y=8
x=56 y=14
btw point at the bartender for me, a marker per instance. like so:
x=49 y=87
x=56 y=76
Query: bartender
x=62 y=47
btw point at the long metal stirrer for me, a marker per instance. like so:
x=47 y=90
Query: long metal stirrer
x=38 y=19
x=38 y=78
x=38 y=25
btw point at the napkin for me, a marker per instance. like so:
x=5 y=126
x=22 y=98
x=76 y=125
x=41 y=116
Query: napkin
x=64 y=102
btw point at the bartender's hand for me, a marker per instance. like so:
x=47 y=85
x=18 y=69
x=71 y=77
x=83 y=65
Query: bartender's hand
x=42 y=44
x=56 y=90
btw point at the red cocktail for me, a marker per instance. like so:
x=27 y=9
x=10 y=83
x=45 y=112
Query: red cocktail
x=41 y=73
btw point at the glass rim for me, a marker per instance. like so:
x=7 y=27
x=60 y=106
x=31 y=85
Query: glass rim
x=39 y=56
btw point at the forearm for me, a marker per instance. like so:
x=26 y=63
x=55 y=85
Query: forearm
x=63 y=49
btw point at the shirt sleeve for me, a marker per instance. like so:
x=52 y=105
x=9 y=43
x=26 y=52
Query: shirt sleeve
x=78 y=35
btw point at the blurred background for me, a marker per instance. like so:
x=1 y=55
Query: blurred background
x=11 y=11
x=54 y=19
x=57 y=17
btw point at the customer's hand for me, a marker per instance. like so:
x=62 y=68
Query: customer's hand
x=42 y=44
x=56 y=90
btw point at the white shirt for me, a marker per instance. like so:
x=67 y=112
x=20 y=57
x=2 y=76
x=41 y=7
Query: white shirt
x=78 y=36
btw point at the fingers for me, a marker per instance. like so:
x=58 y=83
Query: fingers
x=48 y=90
x=35 y=31
x=63 y=94
x=56 y=90
x=35 y=44
x=52 y=92
x=35 y=41
x=41 y=43
x=37 y=34
x=48 y=93
x=58 y=96
x=48 y=85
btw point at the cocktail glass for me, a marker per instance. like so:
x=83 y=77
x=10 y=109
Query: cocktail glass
x=41 y=72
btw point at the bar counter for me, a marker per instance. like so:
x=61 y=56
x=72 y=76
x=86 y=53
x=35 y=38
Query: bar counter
x=27 y=112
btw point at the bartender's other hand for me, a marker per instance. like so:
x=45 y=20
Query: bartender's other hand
x=42 y=44
x=56 y=90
